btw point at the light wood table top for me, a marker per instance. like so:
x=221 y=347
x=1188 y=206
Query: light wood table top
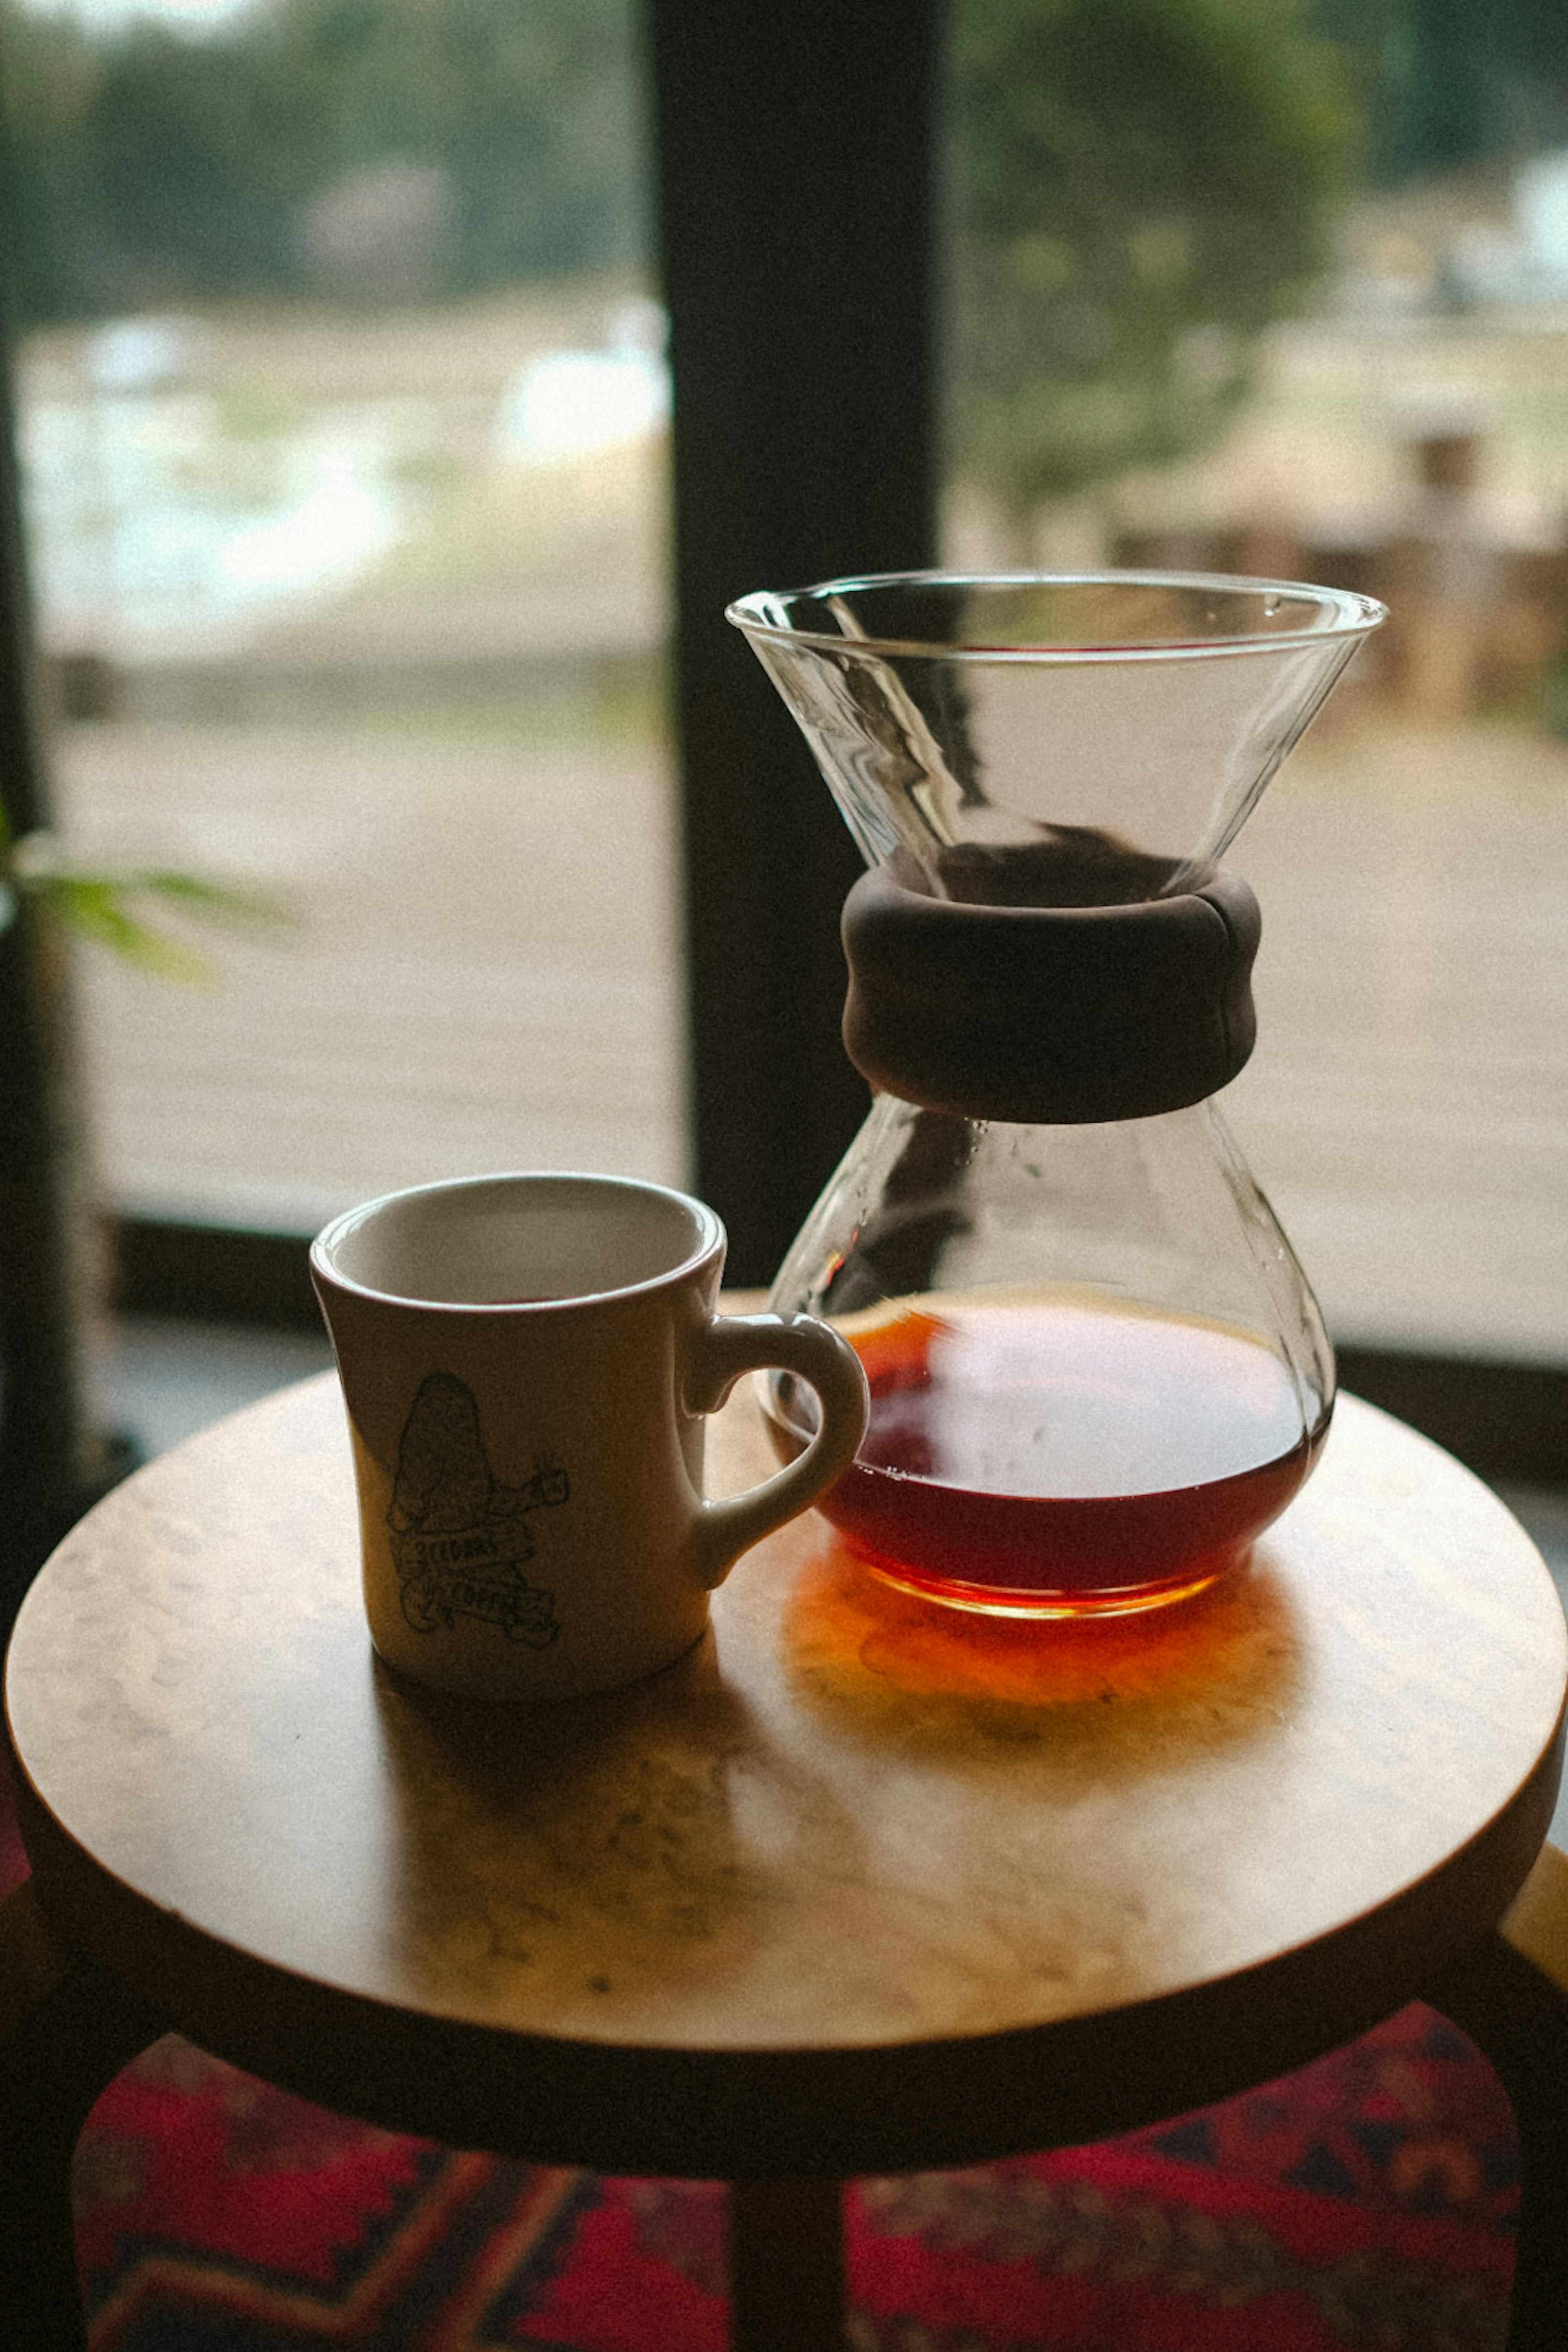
x=863 y=1884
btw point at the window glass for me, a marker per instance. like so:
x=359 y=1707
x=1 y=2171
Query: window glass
x=1240 y=285
x=343 y=400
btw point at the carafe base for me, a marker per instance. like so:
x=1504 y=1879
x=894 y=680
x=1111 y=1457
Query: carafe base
x=991 y=1601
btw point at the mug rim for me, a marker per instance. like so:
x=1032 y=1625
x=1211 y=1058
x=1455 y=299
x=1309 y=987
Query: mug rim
x=709 y=1227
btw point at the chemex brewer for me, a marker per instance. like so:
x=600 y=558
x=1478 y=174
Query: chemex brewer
x=1097 y=1371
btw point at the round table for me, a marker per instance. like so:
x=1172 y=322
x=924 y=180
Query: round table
x=862 y=1884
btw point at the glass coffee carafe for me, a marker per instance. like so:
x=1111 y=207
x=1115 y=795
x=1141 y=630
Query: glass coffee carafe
x=1097 y=1371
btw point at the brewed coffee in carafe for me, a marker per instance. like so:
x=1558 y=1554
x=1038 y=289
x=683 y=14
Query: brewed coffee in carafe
x=1097 y=1371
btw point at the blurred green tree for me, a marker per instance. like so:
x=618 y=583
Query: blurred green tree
x=1140 y=186
x=1450 y=83
x=527 y=106
x=146 y=165
x=49 y=78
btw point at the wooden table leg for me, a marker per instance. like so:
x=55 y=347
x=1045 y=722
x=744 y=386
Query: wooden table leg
x=65 y=2033
x=787 y=2266
x=1511 y=1996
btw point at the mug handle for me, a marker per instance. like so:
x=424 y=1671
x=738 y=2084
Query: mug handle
x=729 y=1345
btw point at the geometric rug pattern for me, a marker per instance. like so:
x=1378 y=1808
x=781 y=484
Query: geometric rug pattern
x=1366 y=2201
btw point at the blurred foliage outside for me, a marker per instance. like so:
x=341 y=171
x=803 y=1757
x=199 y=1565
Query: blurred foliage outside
x=1142 y=186
x=397 y=149
x=500 y=138
x=1443 y=84
x=1139 y=186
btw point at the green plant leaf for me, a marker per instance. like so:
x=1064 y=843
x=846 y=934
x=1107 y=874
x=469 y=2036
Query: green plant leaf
x=218 y=900
x=100 y=904
x=94 y=909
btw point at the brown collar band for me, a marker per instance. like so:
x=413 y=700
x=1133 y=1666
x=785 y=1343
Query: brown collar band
x=1050 y=1015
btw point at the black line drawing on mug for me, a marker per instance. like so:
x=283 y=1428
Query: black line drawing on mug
x=459 y=1536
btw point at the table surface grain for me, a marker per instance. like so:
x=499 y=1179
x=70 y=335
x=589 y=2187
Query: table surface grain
x=849 y=1823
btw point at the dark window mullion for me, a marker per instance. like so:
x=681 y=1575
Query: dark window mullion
x=52 y=1464
x=795 y=177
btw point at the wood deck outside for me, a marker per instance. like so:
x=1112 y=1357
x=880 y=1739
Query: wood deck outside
x=486 y=973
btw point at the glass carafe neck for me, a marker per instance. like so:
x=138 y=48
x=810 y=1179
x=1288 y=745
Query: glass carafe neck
x=1107 y=732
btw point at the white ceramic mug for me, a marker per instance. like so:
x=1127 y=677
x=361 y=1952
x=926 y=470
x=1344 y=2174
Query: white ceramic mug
x=526 y=1362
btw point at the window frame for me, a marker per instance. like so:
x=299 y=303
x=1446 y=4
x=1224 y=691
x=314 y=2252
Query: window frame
x=798 y=206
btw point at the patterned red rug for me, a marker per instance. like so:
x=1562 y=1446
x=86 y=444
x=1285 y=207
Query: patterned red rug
x=1365 y=2201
